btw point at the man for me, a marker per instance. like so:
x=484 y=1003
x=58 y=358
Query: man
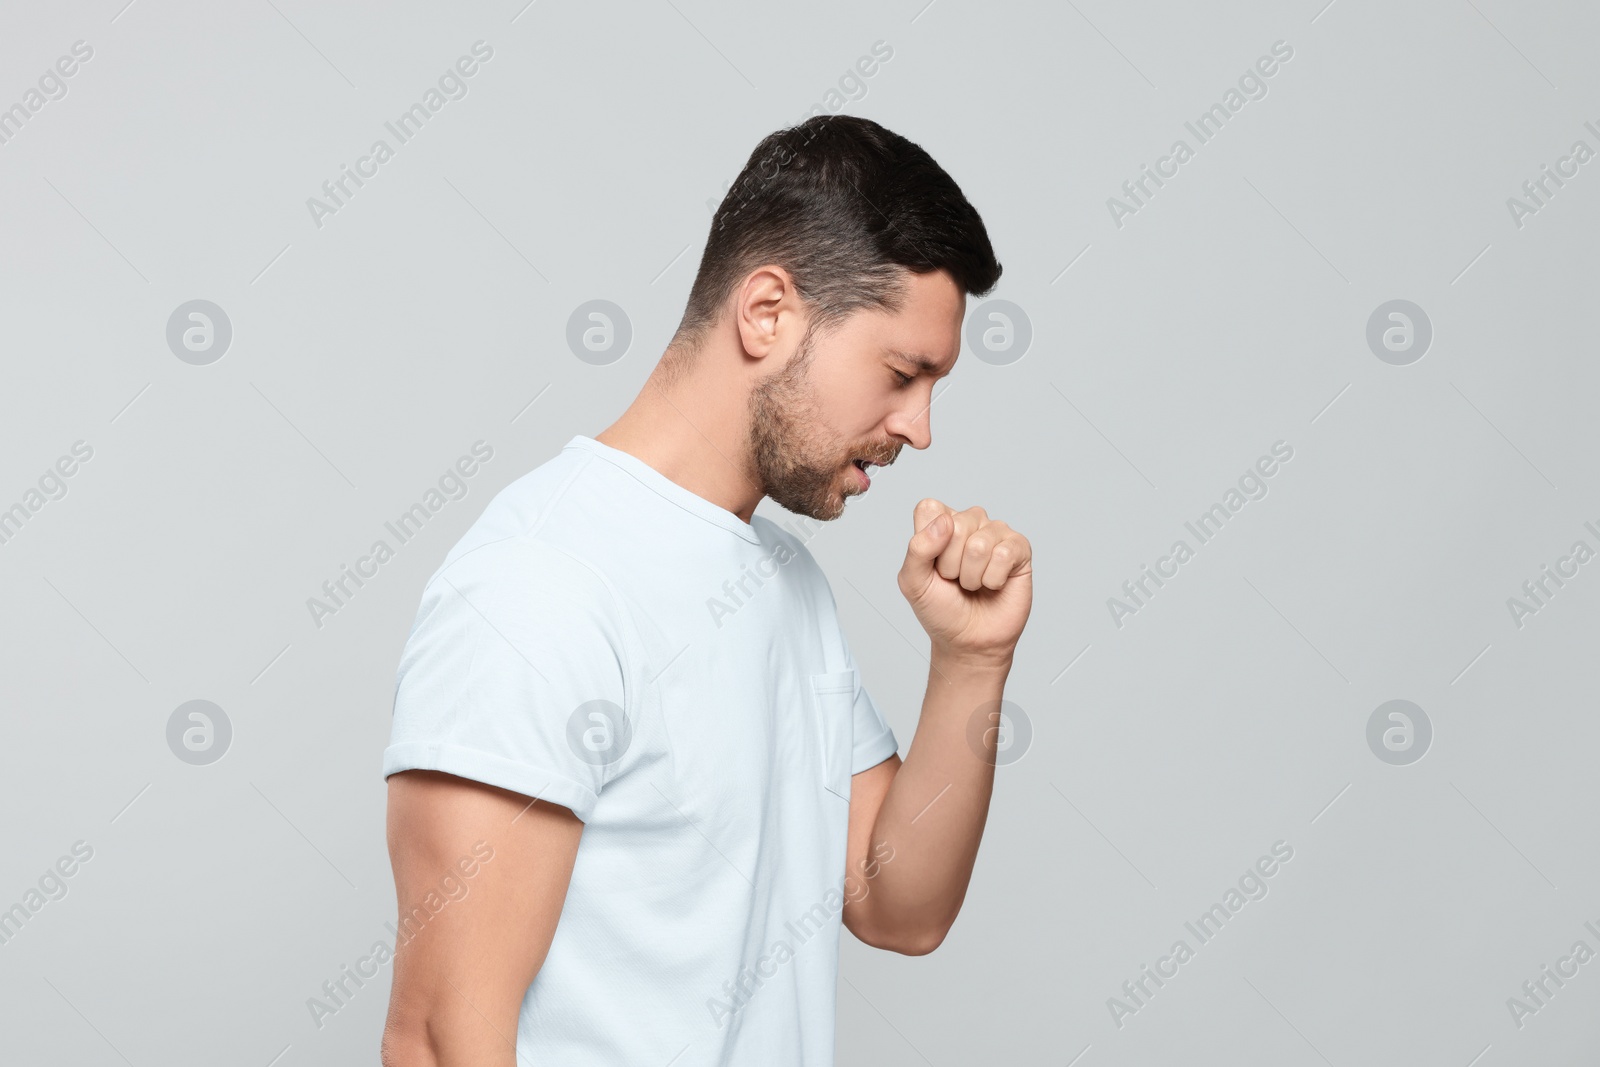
x=635 y=698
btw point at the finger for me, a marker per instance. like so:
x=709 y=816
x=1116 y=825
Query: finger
x=975 y=557
x=933 y=525
x=949 y=564
x=1012 y=555
x=979 y=550
x=927 y=509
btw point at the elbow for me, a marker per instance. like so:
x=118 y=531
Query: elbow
x=921 y=942
x=411 y=1040
x=398 y=1050
x=910 y=941
x=896 y=931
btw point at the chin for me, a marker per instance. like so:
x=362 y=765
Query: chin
x=834 y=510
x=805 y=501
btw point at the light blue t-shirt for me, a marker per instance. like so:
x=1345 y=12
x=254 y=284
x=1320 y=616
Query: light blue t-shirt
x=604 y=639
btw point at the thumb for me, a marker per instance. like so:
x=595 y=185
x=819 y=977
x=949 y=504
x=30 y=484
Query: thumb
x=935 y=527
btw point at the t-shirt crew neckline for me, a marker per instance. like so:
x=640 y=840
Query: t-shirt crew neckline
x=665 y=487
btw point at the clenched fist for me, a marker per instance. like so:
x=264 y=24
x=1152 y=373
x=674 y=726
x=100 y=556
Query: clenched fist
x=969 y=579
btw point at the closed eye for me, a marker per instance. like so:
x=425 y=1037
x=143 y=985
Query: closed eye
x=905 y=379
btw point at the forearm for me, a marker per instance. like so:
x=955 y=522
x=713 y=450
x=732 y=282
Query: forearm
x=934 y=812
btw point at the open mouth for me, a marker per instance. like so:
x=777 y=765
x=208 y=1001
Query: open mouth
x=864 y=466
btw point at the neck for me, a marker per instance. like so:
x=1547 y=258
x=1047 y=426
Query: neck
x=695 y=432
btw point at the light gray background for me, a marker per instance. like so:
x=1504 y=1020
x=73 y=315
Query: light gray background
x=1167 y=355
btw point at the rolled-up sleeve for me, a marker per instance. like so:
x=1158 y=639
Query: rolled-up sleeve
x=513 y=675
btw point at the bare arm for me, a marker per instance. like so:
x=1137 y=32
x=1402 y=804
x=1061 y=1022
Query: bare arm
x=461 y=977
x=915 y=827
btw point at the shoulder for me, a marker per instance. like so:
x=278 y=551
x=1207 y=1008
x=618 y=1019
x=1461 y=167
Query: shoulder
x=516 y=603
x=531 y=537
x=522 y=570
x=542 y=501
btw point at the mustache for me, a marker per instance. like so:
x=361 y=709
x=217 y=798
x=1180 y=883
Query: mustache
x=881 y=456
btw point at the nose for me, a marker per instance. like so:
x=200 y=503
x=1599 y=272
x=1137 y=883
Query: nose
x=913 y=423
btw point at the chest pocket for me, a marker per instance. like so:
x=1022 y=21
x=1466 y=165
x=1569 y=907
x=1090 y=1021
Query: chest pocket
x=833 y=696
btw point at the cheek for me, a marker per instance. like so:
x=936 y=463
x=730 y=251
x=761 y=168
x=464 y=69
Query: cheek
x=850 y=403
x=859 y=411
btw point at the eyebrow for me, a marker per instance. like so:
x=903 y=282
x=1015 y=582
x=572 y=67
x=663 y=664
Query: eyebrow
x=918 y=361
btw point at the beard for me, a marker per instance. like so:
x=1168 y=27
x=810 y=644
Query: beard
x=797 y=461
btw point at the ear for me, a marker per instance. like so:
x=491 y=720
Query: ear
x=767 y=311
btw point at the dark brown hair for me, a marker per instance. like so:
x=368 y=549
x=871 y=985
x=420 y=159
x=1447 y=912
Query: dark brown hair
x=845 y=206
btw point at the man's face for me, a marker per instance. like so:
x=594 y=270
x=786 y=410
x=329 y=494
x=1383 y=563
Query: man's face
x=856 y=394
